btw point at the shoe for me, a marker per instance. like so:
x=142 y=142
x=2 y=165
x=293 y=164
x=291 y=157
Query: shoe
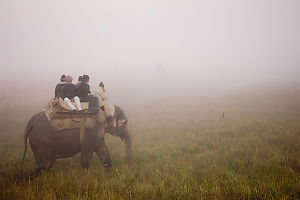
x=107 y=164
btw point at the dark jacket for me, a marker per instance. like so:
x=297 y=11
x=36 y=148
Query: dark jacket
x=83 y=90
x=58 y=91
x=69 y=91
x=119 y=114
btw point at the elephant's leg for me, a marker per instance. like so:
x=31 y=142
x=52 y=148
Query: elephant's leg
x=38 y=170
x=43 y=165
x=87 y=149
x=103 y=153
x=44 y=156
x=85 y=158
x=35 y=155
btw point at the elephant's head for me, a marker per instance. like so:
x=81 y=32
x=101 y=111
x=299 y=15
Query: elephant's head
x=116 y=124
x=115 y=120
x=110 y=119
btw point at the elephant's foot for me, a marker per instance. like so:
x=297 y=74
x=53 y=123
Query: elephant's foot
x=31 y=176
x=85 y=161
x=128 y=160
x=84 y=165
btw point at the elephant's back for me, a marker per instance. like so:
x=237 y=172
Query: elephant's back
x=40 y=125
x=44 y=139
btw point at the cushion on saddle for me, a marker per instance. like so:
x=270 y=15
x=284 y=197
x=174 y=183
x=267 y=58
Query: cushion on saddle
x=61 y=117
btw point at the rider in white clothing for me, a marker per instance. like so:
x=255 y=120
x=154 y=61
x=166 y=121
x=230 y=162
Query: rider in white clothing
x=69 y=92
x=100 y=93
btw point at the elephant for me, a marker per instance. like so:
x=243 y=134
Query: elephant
x=48 y=145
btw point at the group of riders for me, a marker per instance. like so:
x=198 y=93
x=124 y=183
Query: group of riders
x=80 y=93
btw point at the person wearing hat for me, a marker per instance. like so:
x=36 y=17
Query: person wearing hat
x=79 y=81
x=59 y=85
x=69 y=92
x=84 y=94
x=100 y=93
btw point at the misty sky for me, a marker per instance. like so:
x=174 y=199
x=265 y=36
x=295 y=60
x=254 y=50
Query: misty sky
x=140 y=43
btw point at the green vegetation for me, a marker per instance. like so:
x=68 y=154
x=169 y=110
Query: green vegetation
x=182 y=150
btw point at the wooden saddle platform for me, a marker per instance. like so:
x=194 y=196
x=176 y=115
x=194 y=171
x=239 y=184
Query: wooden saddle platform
x=61 y=117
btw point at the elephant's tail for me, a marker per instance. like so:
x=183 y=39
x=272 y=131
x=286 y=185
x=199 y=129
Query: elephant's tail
x=28 y=130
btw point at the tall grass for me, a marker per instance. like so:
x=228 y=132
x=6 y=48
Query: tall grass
x=181 y=151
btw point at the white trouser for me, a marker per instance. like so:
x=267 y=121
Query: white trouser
x=77 y=102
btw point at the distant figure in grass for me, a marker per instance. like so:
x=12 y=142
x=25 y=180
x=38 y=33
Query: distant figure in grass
x=84 y=94
x=59 y=85
x=101 y=94
x=69 y=92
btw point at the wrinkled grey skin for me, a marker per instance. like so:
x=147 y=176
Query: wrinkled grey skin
x=48 y=145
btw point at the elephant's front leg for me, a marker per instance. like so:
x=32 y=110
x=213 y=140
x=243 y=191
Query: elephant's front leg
x=103 y=154
x=85 y=158
x=102 y=151
x=87 y=148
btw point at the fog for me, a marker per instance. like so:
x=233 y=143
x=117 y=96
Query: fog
x=148 y=49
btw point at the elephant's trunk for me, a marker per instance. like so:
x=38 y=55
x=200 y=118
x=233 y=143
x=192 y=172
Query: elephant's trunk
x=127 y=140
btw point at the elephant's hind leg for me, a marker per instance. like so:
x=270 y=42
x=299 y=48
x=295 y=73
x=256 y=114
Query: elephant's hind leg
x=44 y=156
x=45 y=159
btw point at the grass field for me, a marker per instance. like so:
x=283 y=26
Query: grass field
x=182 y=150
